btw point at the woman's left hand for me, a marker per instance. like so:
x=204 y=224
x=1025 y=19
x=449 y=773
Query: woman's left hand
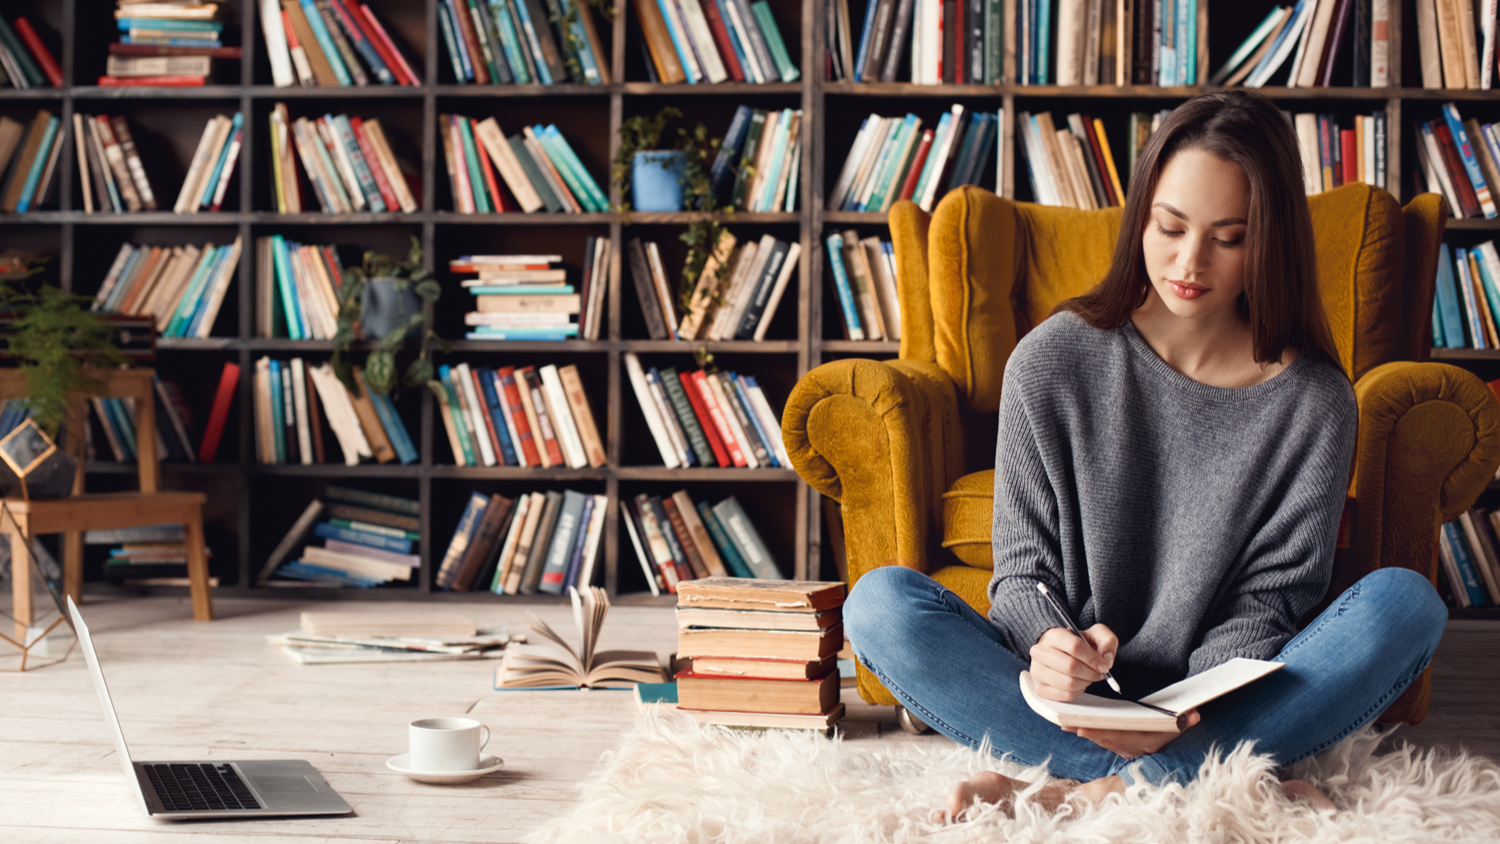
x=1129 y=743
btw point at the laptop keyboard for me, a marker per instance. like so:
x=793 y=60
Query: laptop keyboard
x=199 y=788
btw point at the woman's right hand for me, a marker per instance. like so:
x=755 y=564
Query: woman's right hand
x=1063 y=665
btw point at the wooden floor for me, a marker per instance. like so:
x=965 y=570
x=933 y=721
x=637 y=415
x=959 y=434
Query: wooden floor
x=188 y=690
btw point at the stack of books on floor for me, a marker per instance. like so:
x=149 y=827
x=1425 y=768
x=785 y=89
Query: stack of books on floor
x=707 y=419
x=1072 y=167
x=713 y=41
x=523 y=297
x=176 y=434
x=110 y=174
x=1458 y=159
x=1469 y=556
x=145 y=556
x=1333 y=156
x=297 y=289
x=368 y=539
x=347 y=160
x=759 y=162
x=188 y=29
x=524 y=416
x=387 y=636
x=212 y=165
x=1466 y=307
x=330 y=43
x=25 y=62
x=895 y=158
x=540 y=542
x=677 y=540
x=182 y=287
x=764 y=652
x=734 y=297
x=537 y=166
x=295 y=403
x=493 y=42
x=28 y=155
x=864 y=276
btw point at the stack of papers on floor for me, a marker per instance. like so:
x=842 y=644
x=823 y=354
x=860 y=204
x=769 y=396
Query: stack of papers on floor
x=328 y=637
x=764 y=652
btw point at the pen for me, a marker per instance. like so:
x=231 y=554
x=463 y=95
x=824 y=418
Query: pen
x=1062 y=614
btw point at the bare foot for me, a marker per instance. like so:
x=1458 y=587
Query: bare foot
x=990 y=787
x=1305 y=790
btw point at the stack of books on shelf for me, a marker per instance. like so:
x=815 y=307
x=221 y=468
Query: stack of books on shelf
x=677 y=540
x=1458 y=158
x=735 y=296
x=212 y=165
x=28 y=155
x=181 y=287
x=347 y=160
x=540 y=304
x=539 y=542
x=759 y=163
x=537 y=166
x=521 y=297
x=25 y=62
x=177 y=437
x=330 y=43
x=145 y=556
x=707 y=419
x=510 y=42
x=713 y=40
x=1455 y=43
x=297 y=289
x=895 y=158
x=295 y=402
x=110 y=173
x=1072 y=167
x=188 y=29
x=368 y=539
x=518 y=416
x=1333 y=156
x=864 y=276
x=763 y=652
x=1466 y=307
x=1321 y=38
x=1469 y=556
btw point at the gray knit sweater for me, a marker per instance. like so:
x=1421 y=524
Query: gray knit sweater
x=1197 y=522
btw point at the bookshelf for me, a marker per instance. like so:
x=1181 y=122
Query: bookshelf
x=257 y=503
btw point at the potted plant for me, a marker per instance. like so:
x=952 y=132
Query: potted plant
x=675 y=179
x=383 y=300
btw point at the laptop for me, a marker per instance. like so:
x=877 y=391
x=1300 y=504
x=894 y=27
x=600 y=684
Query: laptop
x=209 y=789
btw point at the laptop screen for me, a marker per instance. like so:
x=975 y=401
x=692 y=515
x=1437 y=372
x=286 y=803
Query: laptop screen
x=97 y=675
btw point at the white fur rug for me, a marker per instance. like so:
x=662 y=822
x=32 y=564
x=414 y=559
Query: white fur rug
x=671 y=780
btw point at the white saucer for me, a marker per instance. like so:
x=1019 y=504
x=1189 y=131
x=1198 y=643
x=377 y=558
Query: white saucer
x=487 y=765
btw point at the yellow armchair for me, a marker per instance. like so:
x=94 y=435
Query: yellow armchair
x=907 y=446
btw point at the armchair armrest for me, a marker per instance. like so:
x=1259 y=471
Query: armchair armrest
x=883 y=439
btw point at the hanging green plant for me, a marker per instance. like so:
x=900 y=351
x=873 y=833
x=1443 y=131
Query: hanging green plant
x=384 y=300
x=57 y=340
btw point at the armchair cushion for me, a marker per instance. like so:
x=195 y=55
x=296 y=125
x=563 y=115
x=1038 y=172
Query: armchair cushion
x=968 y=518
x=1361 y=261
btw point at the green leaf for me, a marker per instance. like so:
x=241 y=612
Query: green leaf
x=380 y=371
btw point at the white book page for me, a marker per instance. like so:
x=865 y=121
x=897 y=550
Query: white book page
x=1085 y=706
x=1215 y=682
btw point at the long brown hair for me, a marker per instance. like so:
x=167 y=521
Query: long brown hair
x=1281 y=300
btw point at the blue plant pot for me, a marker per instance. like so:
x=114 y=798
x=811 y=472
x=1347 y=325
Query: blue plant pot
x=656 y=180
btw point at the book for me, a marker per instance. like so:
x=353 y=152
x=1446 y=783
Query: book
x=293 y=537
x=746 y=538
x=1093 y=712
x=693 y=616
x=786 y=669
x=770 y=595
x=757 y=694
x=528 y=666
x=805 y=645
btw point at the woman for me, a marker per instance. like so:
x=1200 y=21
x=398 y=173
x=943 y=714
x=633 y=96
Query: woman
x=1174 y=448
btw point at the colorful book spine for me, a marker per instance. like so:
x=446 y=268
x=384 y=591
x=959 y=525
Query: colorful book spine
x=835 y=243
x=328 y=530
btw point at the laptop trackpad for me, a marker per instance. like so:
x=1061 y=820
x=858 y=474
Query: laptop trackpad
x=285 y=785
x=292 y=785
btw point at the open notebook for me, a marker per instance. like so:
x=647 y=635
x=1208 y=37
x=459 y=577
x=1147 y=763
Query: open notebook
x=562 y=667
x=1164 y=709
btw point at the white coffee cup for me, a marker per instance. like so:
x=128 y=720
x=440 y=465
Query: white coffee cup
x=443 y=745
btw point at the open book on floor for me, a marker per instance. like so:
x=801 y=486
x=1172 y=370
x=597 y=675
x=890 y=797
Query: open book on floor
x=562 y=667
x=1160 y=711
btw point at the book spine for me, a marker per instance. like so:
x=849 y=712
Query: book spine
x=722 y=542
x=835 y=244
x=468 y=526
x=559 y=550
x=748 y=541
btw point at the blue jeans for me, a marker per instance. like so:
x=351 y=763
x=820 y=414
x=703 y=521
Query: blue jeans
x=950 y=667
